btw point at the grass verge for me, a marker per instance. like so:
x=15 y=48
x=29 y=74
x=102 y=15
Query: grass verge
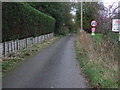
x=100 y=68
x=9 y=63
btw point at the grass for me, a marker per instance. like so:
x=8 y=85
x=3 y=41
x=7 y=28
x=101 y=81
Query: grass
x=97 y=38
x=9 y=63
x=101 y=72
x=113 y=36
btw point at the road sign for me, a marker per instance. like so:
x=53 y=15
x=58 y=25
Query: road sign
x=115 y=25
x=94 y=23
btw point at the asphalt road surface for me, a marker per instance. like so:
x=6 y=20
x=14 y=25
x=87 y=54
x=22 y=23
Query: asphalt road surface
x=53 y=67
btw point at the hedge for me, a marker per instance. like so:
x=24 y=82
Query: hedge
x=20 y=20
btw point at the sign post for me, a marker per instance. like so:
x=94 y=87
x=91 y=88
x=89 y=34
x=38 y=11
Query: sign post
x=93 y=31
x=93 y=24
x=119 y=35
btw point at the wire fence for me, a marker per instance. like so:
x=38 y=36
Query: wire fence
x=8 y=47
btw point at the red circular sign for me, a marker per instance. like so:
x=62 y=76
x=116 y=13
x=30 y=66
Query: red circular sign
x=94 y=23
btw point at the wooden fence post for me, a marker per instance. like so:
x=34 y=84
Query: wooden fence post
x=17 y=44
x=8 y=47
x=40 y=38
x=14 y=44
x=11 y=46
x=44 y=37
x=47 y=36
x=37 y=39
x=32 y=40
x=26 y=42
x=4 y=49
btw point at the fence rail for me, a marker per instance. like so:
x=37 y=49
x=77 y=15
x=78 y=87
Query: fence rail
x=8 y=47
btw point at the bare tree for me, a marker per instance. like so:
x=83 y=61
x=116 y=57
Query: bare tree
x=105 y=16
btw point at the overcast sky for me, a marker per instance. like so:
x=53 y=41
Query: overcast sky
x=109 y=2
x=105 y=2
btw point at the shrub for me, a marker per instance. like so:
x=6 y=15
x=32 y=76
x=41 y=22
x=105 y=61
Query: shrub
x=20 y=20
x=98 y=59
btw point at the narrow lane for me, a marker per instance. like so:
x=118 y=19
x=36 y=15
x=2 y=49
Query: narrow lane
x=54 y=67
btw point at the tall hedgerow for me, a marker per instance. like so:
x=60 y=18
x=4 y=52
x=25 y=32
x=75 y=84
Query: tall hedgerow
x=20 y=20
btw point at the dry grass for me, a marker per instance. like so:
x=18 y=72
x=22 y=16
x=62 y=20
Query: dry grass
x=102 y=59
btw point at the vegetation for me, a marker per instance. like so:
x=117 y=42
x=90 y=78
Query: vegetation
x=20 y=20
x=97 y=58
x=97 y=55
x=90 y=11
x=60 y=11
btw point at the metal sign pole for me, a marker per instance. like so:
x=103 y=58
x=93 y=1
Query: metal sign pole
x=119 y=33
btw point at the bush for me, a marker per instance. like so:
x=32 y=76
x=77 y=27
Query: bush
x=98 y=59
x=20 y=20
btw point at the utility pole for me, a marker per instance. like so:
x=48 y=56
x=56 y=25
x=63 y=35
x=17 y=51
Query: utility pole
x=81 y=16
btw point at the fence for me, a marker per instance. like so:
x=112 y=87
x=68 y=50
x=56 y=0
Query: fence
x=11 y=46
